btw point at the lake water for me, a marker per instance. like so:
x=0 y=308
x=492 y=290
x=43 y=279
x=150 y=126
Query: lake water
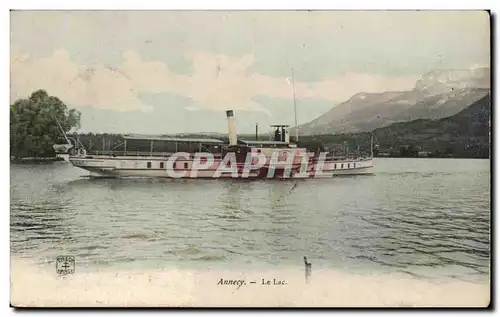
x=428 y=219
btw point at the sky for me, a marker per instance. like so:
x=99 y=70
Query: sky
x=162 y=72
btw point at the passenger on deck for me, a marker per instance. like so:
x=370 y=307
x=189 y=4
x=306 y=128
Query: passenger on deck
x=277 y=135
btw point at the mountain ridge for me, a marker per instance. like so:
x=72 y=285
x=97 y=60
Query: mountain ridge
x=465 y=134
x=436 y=94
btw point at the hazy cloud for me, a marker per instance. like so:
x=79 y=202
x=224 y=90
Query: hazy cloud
x=218 y=82
x=220 y=59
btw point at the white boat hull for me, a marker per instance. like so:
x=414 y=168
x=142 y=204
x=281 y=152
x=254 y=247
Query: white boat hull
x=152 y=167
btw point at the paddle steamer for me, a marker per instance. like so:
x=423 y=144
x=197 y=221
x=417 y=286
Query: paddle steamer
x=174 y=157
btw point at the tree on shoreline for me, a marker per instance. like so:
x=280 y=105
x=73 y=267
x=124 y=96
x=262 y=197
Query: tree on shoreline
x=33 y=128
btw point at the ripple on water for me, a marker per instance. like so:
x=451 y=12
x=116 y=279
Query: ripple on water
x=422 y=217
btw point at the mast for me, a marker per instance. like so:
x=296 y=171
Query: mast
x=295 y=109
x=62 y=130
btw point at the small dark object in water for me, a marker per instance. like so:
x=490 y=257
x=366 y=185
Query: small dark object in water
x=308 y=270
x=308 y=265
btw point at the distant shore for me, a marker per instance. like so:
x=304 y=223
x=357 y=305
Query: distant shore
x=434 y=157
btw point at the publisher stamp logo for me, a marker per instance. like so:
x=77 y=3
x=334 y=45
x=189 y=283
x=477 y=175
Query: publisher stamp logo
x=65 y=265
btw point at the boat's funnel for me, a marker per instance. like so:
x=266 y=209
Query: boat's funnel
x=231 y=123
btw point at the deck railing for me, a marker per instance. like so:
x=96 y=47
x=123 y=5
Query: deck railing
x=192 y=155
x=140 y=153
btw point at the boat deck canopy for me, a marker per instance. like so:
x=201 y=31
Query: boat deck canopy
x=264 y=143
x=170 y=139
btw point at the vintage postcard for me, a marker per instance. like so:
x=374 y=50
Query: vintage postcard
x=250 y=158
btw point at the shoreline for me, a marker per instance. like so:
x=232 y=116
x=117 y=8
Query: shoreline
x=40 y=286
